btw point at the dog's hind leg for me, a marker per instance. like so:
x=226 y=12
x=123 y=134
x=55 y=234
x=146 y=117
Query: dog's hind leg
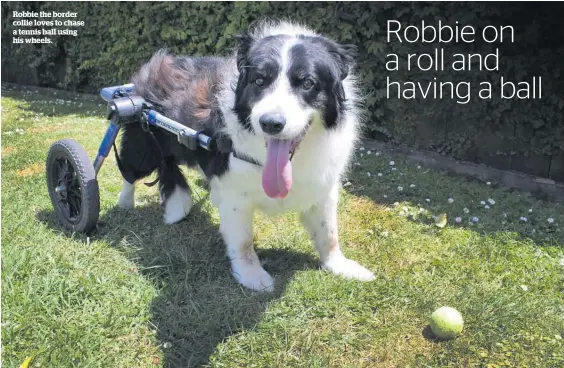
x=138 y=157
x=321 y=222
x=126 y=198
x=176 y=199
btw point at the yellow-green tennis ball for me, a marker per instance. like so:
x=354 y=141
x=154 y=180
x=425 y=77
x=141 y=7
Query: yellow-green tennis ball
x=446 y=323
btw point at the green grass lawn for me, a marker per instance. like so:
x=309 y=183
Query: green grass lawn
x=138 y=293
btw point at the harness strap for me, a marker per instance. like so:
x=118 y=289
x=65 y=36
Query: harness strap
x=120 y=165
x=150 y=130
x=118 y=161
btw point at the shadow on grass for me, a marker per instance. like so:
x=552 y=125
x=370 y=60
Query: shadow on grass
x=428 y=334
x=199 y=303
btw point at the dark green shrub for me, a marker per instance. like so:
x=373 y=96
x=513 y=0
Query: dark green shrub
x=524 y=135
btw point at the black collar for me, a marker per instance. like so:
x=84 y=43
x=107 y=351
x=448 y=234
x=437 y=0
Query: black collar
x=242 y=156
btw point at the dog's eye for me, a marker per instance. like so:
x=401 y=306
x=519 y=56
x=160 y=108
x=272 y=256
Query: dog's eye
x=259 y=82
x=308 y=83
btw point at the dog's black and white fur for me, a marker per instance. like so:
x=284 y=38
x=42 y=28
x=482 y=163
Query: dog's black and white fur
x=283 y=76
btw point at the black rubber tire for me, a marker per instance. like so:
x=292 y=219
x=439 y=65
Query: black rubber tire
x=67 y=157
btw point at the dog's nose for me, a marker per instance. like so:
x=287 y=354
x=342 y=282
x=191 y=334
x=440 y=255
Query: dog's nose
x=272 y=123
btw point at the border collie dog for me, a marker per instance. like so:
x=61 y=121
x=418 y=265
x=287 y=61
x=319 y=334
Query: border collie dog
x=288 y=102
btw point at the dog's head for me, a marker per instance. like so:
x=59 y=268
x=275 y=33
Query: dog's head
x=286 y=79
x=289 y=78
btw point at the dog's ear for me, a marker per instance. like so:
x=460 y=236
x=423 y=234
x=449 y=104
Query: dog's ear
x=345 y=56
x=244 y=42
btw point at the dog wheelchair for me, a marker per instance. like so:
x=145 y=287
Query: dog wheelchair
x=71 y=176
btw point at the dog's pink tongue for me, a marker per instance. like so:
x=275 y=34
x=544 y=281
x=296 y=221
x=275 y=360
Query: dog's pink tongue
x=277 y=171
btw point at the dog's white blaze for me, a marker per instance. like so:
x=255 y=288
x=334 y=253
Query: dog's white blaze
x=126 y=198
x=282 y=101
x=177 y=205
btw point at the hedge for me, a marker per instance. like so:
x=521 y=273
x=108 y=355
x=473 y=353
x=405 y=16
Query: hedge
x=526 y=135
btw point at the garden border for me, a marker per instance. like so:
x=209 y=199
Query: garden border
x=508 y=178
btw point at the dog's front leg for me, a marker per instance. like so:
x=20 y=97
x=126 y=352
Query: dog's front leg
x=321 y=223
x=236 y=227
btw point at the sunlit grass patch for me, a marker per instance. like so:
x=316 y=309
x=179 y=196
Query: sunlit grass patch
x=138 y=293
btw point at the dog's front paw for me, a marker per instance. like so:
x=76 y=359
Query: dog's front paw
x=340 y=265
x=252 y=276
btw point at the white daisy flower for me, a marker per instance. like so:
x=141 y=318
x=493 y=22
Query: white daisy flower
x=475 y=219
x=487 y=207
x=458 y=220
x=348 y=183
x=491 y=201
x=530 y=210
x=400 y=188
x=369 y=174
x=466 y=210
x=427 y=200
x=362 y=148
x=394 y=169
x=368 y=152
x=488 y=183
x=392 y=163
x=482 y=203
x=523 y=218
x=412 y=186
x=418 y=166
x=524 y=287
x=380 y=174
x=167 y=345
x=450 y=200
x=378 y=153
x=550 y=220
x=385 y=196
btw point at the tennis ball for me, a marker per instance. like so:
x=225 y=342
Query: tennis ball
x=446 y=323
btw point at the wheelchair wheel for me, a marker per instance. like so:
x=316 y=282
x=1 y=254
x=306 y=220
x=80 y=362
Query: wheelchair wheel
x=72 y=185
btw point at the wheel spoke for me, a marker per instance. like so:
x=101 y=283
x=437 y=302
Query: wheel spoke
x=70 y=199
x=74 y=202
x=64 y=206
x=61 y=169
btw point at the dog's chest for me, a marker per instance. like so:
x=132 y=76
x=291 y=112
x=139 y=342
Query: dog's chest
x=316 y=169
x=243 y=183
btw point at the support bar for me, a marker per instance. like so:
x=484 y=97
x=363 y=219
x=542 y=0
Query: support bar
x=106 y=145
x=161 y=121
